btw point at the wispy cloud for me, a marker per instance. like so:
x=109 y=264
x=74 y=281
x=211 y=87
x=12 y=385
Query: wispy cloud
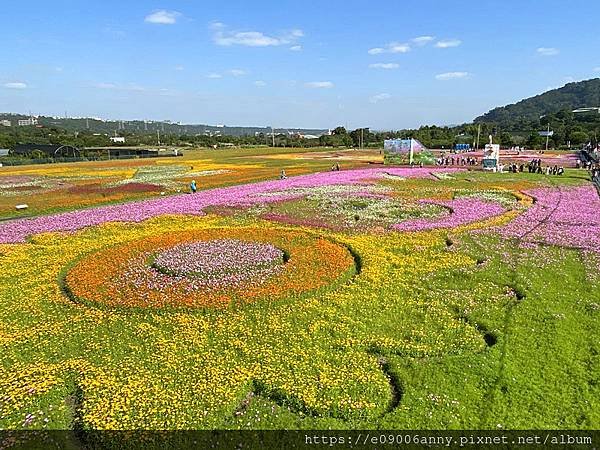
x=296 y=48
x=379 y=97
x=163 y=17
x=448 y=43
x=260 y=83
x=104 y=85
x=387 y=66
x=451 y=75
x=392 y=47
x=547 y=51
x=179 y=68
x=131 y=87
x=422 y=40
x=15 y=85
x=597 y=69
x=223 y=37
x=319 y=84
x=231 y=72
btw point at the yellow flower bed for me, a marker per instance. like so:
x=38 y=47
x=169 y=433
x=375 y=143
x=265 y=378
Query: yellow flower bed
x=146 y=368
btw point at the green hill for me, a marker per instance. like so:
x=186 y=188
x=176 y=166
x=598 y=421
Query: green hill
x=571 y=96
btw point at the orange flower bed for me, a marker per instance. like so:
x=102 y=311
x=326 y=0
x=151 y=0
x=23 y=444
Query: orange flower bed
x=123 y=276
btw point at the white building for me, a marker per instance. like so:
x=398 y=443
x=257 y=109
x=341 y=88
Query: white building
x=117 y=140
x=5 y=123
x=28 y=122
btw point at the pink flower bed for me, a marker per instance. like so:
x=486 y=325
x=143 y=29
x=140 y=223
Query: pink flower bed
x=18 y=230
x=462 y=212
x=568 y=217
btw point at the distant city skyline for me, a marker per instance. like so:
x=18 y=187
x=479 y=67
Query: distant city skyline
x=378 y=64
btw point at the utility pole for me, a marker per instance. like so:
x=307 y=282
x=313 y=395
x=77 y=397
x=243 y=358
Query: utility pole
x=547 y=136
x=478 y=134
x=158 y=136
x=273 y=136
x=361 y=138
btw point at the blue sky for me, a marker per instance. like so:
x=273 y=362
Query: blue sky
x=382 y=64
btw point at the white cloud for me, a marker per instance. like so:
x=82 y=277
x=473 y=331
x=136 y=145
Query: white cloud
x=260 y=83
x=451 y=75
x=179 y=68
x=392 y=47
x=120 y=87
x=252 y=38
x=422 y=40
x=134 y=87
x=384 y=66
x=548 y=51
x=376 y=51
x=163 y=17
x=214 y=75
x=247 y=38
x=237 y=72
x=398 y=48
x=296 y=48
x=105 y=85
x=379 y=97
x=15 y=85
x=216 y=25
x=597 y=69
x=319 y=84
x=164 y=92
x=448 y=43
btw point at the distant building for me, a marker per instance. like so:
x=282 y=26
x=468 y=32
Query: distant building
x=5 y=123
x=4 y=152
x=46 y=150
x=117 y=140
x=27 y=122
x=126 y=152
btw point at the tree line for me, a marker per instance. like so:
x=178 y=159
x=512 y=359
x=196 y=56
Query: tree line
x=569 y=129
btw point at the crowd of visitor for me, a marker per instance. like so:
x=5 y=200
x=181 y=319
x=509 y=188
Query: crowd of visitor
x=456 y=161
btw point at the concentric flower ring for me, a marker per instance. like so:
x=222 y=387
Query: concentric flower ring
x=208 y=268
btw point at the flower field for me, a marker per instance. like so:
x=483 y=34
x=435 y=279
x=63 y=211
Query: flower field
x=66 y=187
x=367 y=298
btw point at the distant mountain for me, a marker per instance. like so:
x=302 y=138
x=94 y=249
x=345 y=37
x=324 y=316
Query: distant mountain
x=571 y=96
x=111 y=127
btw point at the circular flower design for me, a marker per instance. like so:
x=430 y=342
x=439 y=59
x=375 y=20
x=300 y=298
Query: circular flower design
x=208 y=268
x=222 y=262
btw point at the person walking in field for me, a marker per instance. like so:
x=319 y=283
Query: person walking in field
x=193 y=187
x=282 y=175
